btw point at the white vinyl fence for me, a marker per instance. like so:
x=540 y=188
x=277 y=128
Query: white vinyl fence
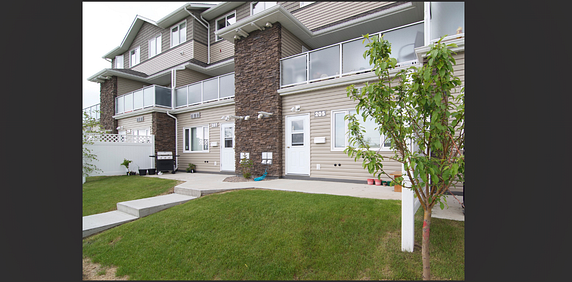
x=111 y=149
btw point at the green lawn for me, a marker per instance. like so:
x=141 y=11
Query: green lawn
x=102 y=193
x=276 y=235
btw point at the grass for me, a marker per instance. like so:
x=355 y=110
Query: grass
x=275 y=235
x=102 y=193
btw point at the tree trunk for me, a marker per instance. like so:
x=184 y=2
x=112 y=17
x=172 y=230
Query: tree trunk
x=425 y=245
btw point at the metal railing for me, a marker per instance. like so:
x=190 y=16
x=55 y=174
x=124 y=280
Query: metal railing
x=149 y=96
x=93 y=111
x=346 y=58
x=209 y=90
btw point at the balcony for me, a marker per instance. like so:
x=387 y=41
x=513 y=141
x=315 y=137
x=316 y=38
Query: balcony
x=150 y=96
x=209 y=90
x=346 y=58
x=92 y=111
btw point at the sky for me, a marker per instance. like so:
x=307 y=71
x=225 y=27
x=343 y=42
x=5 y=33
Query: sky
x=104 y=25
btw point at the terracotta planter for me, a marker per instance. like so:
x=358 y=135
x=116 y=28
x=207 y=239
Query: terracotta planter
x=378 y=182
x=370 y=181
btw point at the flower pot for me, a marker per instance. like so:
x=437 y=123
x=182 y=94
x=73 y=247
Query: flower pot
x=378 y=182
x=142 y=172
x=151 y=171
x=370 y=181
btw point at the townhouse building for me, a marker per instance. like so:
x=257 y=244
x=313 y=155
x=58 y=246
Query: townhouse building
x=263 y=80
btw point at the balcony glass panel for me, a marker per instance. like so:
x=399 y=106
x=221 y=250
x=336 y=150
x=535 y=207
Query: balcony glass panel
x=210 y=88
x=325 y=63
x=404 y=40
x=293 y=70
x=148 y=96
x=129 y=102
x=352 y=57
x=181 y=96
x=138 y=99
x=120 y=105
x=227 y=86
x=194 y=93
x=446 y=18
x=162 y=96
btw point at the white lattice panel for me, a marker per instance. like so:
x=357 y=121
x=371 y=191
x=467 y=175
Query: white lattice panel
x=119 y=138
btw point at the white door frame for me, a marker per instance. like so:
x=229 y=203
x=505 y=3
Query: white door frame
x=222 y=147
x=306 y=147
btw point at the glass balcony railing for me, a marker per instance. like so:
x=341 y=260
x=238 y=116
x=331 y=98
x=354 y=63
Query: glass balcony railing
x=212 y=89
x=346 y=58
x=150 y=96
x=93 y=111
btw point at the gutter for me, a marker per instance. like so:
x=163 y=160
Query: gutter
x=176 y=145
x=207 y=26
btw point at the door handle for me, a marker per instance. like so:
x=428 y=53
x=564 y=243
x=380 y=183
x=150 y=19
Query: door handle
x=287 y=146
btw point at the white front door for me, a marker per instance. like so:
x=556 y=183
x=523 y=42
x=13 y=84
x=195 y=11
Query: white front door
x=298 y=144
x=227 y=147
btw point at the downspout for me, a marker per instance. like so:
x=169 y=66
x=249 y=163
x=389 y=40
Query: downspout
x=208 y=27
x=173 y=84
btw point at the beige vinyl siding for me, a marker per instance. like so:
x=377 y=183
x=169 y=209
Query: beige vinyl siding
x=167 y=59
x=290 y=6
x=187 y=76
x=243 y=11
x=291 y=45
x=131 y=123
x=221 y=50
x=125 y=85
x=208 y=116
x=146 y=32
x=327 y=100
x=324 y=13
x=200 y=51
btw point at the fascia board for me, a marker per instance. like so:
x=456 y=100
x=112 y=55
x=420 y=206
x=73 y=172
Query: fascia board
x=274 y=14
x=220 y=9
x=180 y=13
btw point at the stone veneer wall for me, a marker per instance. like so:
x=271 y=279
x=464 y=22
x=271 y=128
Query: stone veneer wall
x=108 y=92
x=257 y=79
x=163 y=127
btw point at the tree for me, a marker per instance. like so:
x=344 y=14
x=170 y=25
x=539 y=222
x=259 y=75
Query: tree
x=422 y=112
x=90 y=125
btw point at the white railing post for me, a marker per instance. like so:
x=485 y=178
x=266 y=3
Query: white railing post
x=308 y=68
x=340 y=50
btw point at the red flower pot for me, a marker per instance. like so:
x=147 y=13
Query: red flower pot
x=370 y=181
x=378 y=182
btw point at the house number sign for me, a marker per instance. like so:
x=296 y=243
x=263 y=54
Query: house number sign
x=214 y=124
x=140 y=119
x=320 y=113
x=196 y=115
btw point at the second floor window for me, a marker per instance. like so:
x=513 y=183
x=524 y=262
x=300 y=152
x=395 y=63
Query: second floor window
x=224 y=22
x=119 y=62
x=179 y=34
x=256 y=7
x=134 y=56
x=155 y=46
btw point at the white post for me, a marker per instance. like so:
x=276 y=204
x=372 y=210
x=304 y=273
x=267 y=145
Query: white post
x=427 y=23
x=409 y=205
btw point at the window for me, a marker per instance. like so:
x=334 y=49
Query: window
x=155 y=46
x=302 y=4
x=340 y=132
x=224 y=22
x=119 y=62
x=256 y=7
x=179 y=34
x=134 y=56
x=196 y=139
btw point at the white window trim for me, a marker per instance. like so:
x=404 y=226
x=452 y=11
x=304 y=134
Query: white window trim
x=333 y=136
x=190 y=145
x=223 y=17
x=302 y=4
x=131 y=63
x=122 y=65
x=158 y=48
x=171 y=33
x=252 y=3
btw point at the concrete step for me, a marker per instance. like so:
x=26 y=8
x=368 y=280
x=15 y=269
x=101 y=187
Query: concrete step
x=98 y=222
x=147 y=206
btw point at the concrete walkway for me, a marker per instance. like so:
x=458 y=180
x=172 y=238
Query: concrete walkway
x=200 y=184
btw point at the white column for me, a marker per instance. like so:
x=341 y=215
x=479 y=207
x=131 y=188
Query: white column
x=427 y=24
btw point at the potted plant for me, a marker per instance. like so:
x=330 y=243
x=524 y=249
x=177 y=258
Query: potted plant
x=370 y=181
x=126 y=163
x=246 y=165
x=378 y=182
x=191 y=168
